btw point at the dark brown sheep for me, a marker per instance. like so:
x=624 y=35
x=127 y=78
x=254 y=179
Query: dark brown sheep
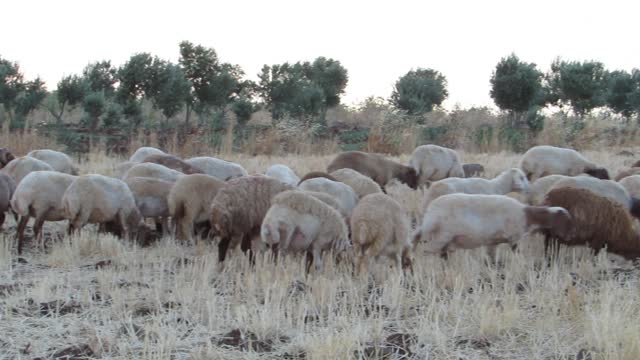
x=5 y=157
x=627 y=172
x=598 y=221
x=239 y=208
x=316 y=174
x=471 y=170
x=636 y=164
x=173 y=162
x=375 y=166
x=599 y=173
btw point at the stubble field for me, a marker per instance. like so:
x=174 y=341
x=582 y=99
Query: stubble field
x=97 y=297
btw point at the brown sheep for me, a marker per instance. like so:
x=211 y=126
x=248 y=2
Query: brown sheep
x=636 y=164
x=597 y=220
x=173 y=162
x=375 y=166
x=316 y=174
x=627 y=172
x=239 y=208
x=5 y=157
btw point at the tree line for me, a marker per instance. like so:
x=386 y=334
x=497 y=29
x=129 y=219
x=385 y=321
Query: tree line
x=200 y=86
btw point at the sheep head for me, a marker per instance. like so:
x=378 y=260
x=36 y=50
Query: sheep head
x=5 y=157
x=410 y=177
x=554 y=218
x=519 y=181
x=221 y=221
x=600 y=173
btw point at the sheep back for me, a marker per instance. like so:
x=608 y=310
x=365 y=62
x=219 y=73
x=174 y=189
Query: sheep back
x=361 y=184
x=40 y=194
x=20 y=167
x=152 y=170
x=433 y=163
x=173 y=162
x=316 y=174
x=57 y=160
x=221 y=169
x=375 y=166
x=141 y=153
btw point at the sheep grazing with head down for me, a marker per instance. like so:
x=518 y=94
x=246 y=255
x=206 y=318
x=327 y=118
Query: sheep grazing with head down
x=5 y=157
x=152 y=170
x=466 y=221
x=238 y=209
x=190 y=202
x=361 y=184
x=345 y=195
x=380 y=227
x=627 y=172
x=57 y=160
x=375 y=166
x=433 y=163
x=546 y=160
x=143 y=152
x=511 y=180
x=329 y=200
x=221 y=169
x=316 y=174
x=298 y=222
x=95 y=198
x=121 y=169
x=283 y=173
x=7 y=188
x=607 y=188
x=39 y=196
x=19 y=168
x=151 y=196
x=173 y=162
x=598 y=221
x=473 y=170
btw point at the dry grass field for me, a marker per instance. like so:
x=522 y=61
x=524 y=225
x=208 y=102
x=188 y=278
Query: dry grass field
x=96 y=297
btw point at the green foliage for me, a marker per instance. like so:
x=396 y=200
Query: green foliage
x=515 y=85
x=243 y=108
x=172 y=89
x=112 y=116
x=29 y=100
x=11 y=83
x=94 y=105
x=137 y=77
x=100 y=77
x=419 y=91
x=431 y=134
x=302 y=89
x=534 y=119
x=19 y=98
x=620 y=91
x=581 y=85
x=516 y=138
x=71 y=90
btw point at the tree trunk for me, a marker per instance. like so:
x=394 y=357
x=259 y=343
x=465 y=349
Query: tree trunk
x=188 y=113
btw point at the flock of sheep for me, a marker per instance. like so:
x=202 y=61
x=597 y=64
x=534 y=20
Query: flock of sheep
x=554 y=191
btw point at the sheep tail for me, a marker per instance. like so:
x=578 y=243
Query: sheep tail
x=16 y=205
x=635 y=207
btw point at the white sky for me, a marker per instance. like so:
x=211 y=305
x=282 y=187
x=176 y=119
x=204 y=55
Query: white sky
x=377 y=41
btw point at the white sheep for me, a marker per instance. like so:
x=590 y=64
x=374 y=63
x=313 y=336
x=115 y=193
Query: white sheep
x=19 y=168
x=283 y=173
x=152 y=170
x=151 y=196
x=190 y=202
x=546 y=160
x=361 y=184
x=329 y=200
x=509 y=180
x=343 y=192
x=57 y=160
x=298 y=222
x=7 y=188
x=541 y=187
x=632 y=185
x=380 y=227
x=143 y=152
x=467 y=221
x=433 y=163
x=39 y=195
x=95 y=198
x=223 y=170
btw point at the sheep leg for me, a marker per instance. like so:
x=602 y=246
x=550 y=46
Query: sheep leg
x=37 y=231
x=309 y=261
x=274 y=251
x=22 y=224
x=245 y=246
x=223 y=246
x=317 y=259
x=159 y=226
x=165 y=226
